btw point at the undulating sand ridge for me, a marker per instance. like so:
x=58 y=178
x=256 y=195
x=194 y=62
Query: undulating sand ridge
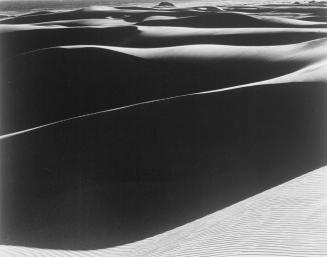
x=133 y=14
x=288 y=220
x=117 y=27
x=314 y=73
x=230 y=19
x=213 y=68
x=308 y=52
x=38 y=37
x=189 y=16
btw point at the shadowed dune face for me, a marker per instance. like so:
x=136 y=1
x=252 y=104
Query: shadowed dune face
x=118 y=124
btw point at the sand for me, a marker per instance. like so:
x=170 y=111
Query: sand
x=154 y=131
x=288 y=220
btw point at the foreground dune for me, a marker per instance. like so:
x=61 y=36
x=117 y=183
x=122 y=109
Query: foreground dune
x=288 y=220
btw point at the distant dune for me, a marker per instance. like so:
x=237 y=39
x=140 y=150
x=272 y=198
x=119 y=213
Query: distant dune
x=39 y=36
x=154 y=131
x=230 y=19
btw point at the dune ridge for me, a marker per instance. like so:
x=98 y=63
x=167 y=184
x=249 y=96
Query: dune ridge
x=140 y=36
x=230 y=19
x=74 y=26
x=214 y=65
x=313 y=73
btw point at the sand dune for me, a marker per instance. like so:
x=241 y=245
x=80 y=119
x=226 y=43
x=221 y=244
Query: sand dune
x=169 y=36
x=238 y=25
x=118 y=156
x=107 y=22
x=229 y=19
x=168 y=68
x=38 y=37
x=201 y=16
x=96 y=12
x=307 y=52
x=314 y=73
x=288 y=220
x=106 y=32
x=130 y=129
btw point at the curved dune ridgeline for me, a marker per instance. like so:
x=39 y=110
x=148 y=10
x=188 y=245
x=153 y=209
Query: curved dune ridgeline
x=164 y=131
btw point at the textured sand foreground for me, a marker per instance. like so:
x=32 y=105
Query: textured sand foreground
x=288 y=220
x=153 y=131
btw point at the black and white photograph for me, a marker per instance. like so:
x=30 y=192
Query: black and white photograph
x=149 y=128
